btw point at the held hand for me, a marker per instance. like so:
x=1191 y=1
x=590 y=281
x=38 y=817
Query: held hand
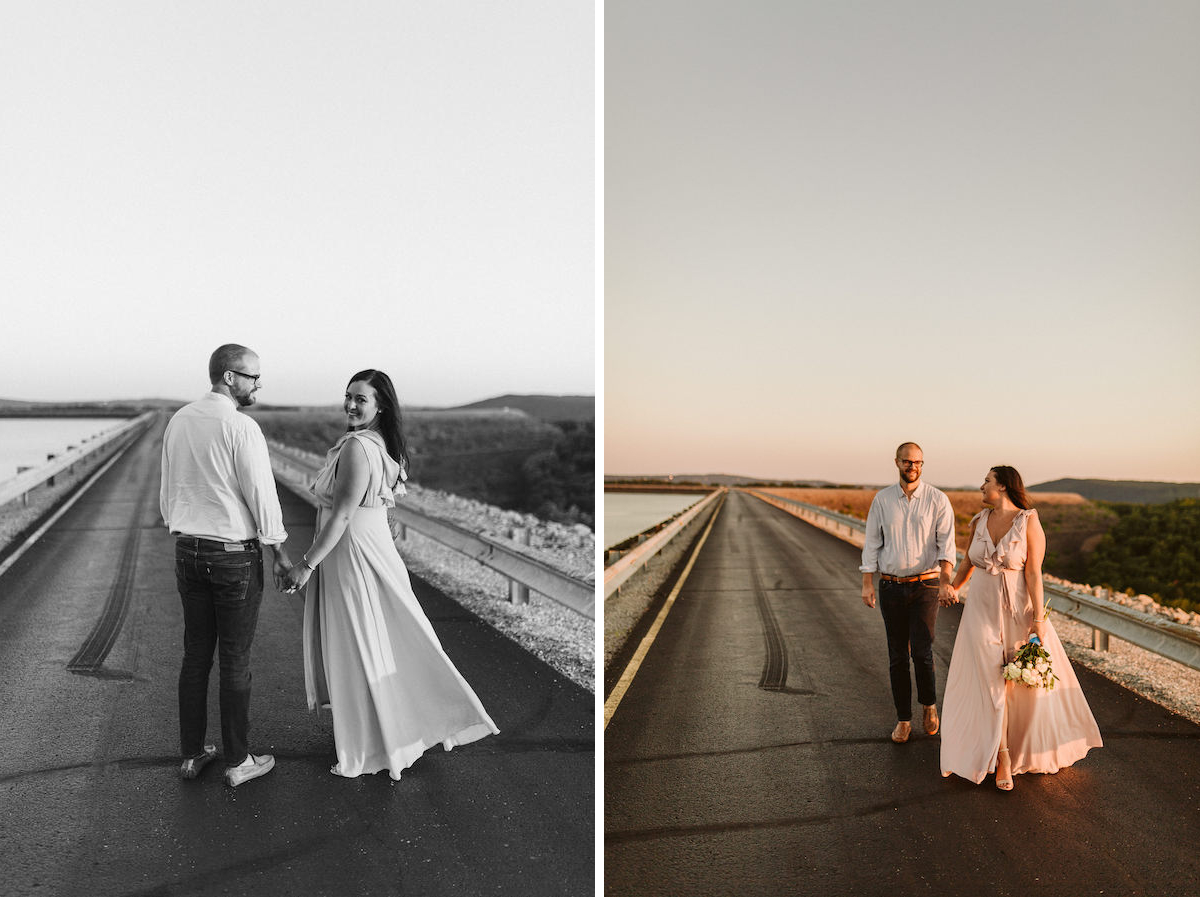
x=947 y=595
x=868 y=595
x=280 y=571
x=296 y=579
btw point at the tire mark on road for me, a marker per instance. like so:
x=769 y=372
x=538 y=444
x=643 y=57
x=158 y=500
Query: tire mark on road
x=91 y=655
x=775 y=664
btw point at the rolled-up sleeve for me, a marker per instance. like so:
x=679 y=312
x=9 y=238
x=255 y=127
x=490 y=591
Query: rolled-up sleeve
x=874 y=539
x=252 y=465
x=944 y=528
x=164 y=485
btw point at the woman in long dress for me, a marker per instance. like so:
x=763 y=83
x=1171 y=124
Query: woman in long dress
x=370 y=653
x=990 y=723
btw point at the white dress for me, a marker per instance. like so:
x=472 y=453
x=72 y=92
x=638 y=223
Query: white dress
x=1047 y=730
x=370 y=653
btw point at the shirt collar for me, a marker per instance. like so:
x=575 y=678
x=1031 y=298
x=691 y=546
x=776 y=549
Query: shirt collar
x=219 y=396
x=921 y=487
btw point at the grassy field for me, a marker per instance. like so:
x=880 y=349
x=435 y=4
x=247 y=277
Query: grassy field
x=504 y=458
x=1074 y=526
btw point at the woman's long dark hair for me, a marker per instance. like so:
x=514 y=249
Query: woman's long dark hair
x=1013 y=484
x=391 y=424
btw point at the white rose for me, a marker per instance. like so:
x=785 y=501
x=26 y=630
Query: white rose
x=1042 y=666
x=1028 y=677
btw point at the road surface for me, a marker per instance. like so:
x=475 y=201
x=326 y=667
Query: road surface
x=90 y=798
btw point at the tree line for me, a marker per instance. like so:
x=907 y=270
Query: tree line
x=1152 y=550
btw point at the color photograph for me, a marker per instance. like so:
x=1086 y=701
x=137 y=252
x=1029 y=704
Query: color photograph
x=901 y=448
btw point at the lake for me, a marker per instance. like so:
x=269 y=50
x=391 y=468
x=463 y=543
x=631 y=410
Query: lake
x=628 y=513
x=25 y=441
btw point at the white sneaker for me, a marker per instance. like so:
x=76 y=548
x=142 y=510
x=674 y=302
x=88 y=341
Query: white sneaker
x=251 y=768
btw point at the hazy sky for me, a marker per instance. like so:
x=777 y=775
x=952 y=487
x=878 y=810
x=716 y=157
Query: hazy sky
x=396 y=184
x=831 y=227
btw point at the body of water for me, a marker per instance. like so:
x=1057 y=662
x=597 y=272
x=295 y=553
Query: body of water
x=26 y=441
x=628 y=513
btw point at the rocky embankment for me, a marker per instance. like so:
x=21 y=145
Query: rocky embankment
x=559 y=636
x=1144 y=603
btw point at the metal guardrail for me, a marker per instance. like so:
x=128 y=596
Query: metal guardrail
x=629 y=563
x=1149 y=631
x=296 y=470
x=23 y=483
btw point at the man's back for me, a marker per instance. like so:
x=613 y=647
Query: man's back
x=216 y=475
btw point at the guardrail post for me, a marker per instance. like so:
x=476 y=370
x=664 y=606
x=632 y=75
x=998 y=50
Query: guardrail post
x=518 y=593
x=1099 y=636
x=50 y=482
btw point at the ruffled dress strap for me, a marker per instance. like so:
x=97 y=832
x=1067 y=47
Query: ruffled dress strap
x=1006 y=550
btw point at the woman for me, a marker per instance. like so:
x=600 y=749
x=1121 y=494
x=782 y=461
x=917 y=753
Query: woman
x=370 y=653
x=990 y=723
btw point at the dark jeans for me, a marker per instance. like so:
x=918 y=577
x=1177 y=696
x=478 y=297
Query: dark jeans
x=221 y=592
x=909 y=612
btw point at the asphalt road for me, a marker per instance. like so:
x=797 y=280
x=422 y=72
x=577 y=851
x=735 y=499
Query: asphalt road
x=751 y=755
x=90 y=798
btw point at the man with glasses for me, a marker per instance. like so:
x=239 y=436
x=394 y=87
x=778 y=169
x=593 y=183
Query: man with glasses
x=910 y=544
x=218 y=499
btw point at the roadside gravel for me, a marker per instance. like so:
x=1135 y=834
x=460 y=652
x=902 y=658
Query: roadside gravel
x=559 y=637
x=1155 y=678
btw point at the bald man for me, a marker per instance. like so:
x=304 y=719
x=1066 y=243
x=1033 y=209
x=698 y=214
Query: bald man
x=218 y=499
x=910 y=544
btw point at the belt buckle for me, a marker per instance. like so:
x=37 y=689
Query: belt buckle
x=234 y=546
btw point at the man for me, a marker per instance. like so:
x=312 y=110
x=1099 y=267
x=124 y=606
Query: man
x=910 y=543
x=218 y=498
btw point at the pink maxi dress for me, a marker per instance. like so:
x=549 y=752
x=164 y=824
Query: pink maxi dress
x=370 y=653
x=1047 y=729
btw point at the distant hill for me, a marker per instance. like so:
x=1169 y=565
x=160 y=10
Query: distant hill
x=1134 y=491
x=549 y=408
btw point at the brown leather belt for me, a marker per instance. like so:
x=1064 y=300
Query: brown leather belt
x=920 y=577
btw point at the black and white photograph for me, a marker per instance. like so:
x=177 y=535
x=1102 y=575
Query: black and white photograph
x=298 y=448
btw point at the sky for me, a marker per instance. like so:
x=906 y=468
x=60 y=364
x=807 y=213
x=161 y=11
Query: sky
x=833 y=227
x=402 y=185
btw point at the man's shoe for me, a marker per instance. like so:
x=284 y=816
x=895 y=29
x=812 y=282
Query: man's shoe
x=901 y=732
x=931 y=721
x=251 y=768
x=193 y=766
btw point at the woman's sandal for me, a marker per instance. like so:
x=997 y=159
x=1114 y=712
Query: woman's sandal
x=1004 y=784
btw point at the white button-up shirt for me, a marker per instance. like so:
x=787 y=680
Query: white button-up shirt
x=216 y=475
x=908 y=536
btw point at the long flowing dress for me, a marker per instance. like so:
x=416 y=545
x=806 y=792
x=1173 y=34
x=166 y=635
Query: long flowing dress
x=1047 y=729
x=370 y=653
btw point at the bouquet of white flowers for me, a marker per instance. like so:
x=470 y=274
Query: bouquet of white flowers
x=1031 y=666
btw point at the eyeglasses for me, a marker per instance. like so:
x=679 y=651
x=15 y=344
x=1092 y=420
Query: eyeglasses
x=911 y=463
x=253 y=377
